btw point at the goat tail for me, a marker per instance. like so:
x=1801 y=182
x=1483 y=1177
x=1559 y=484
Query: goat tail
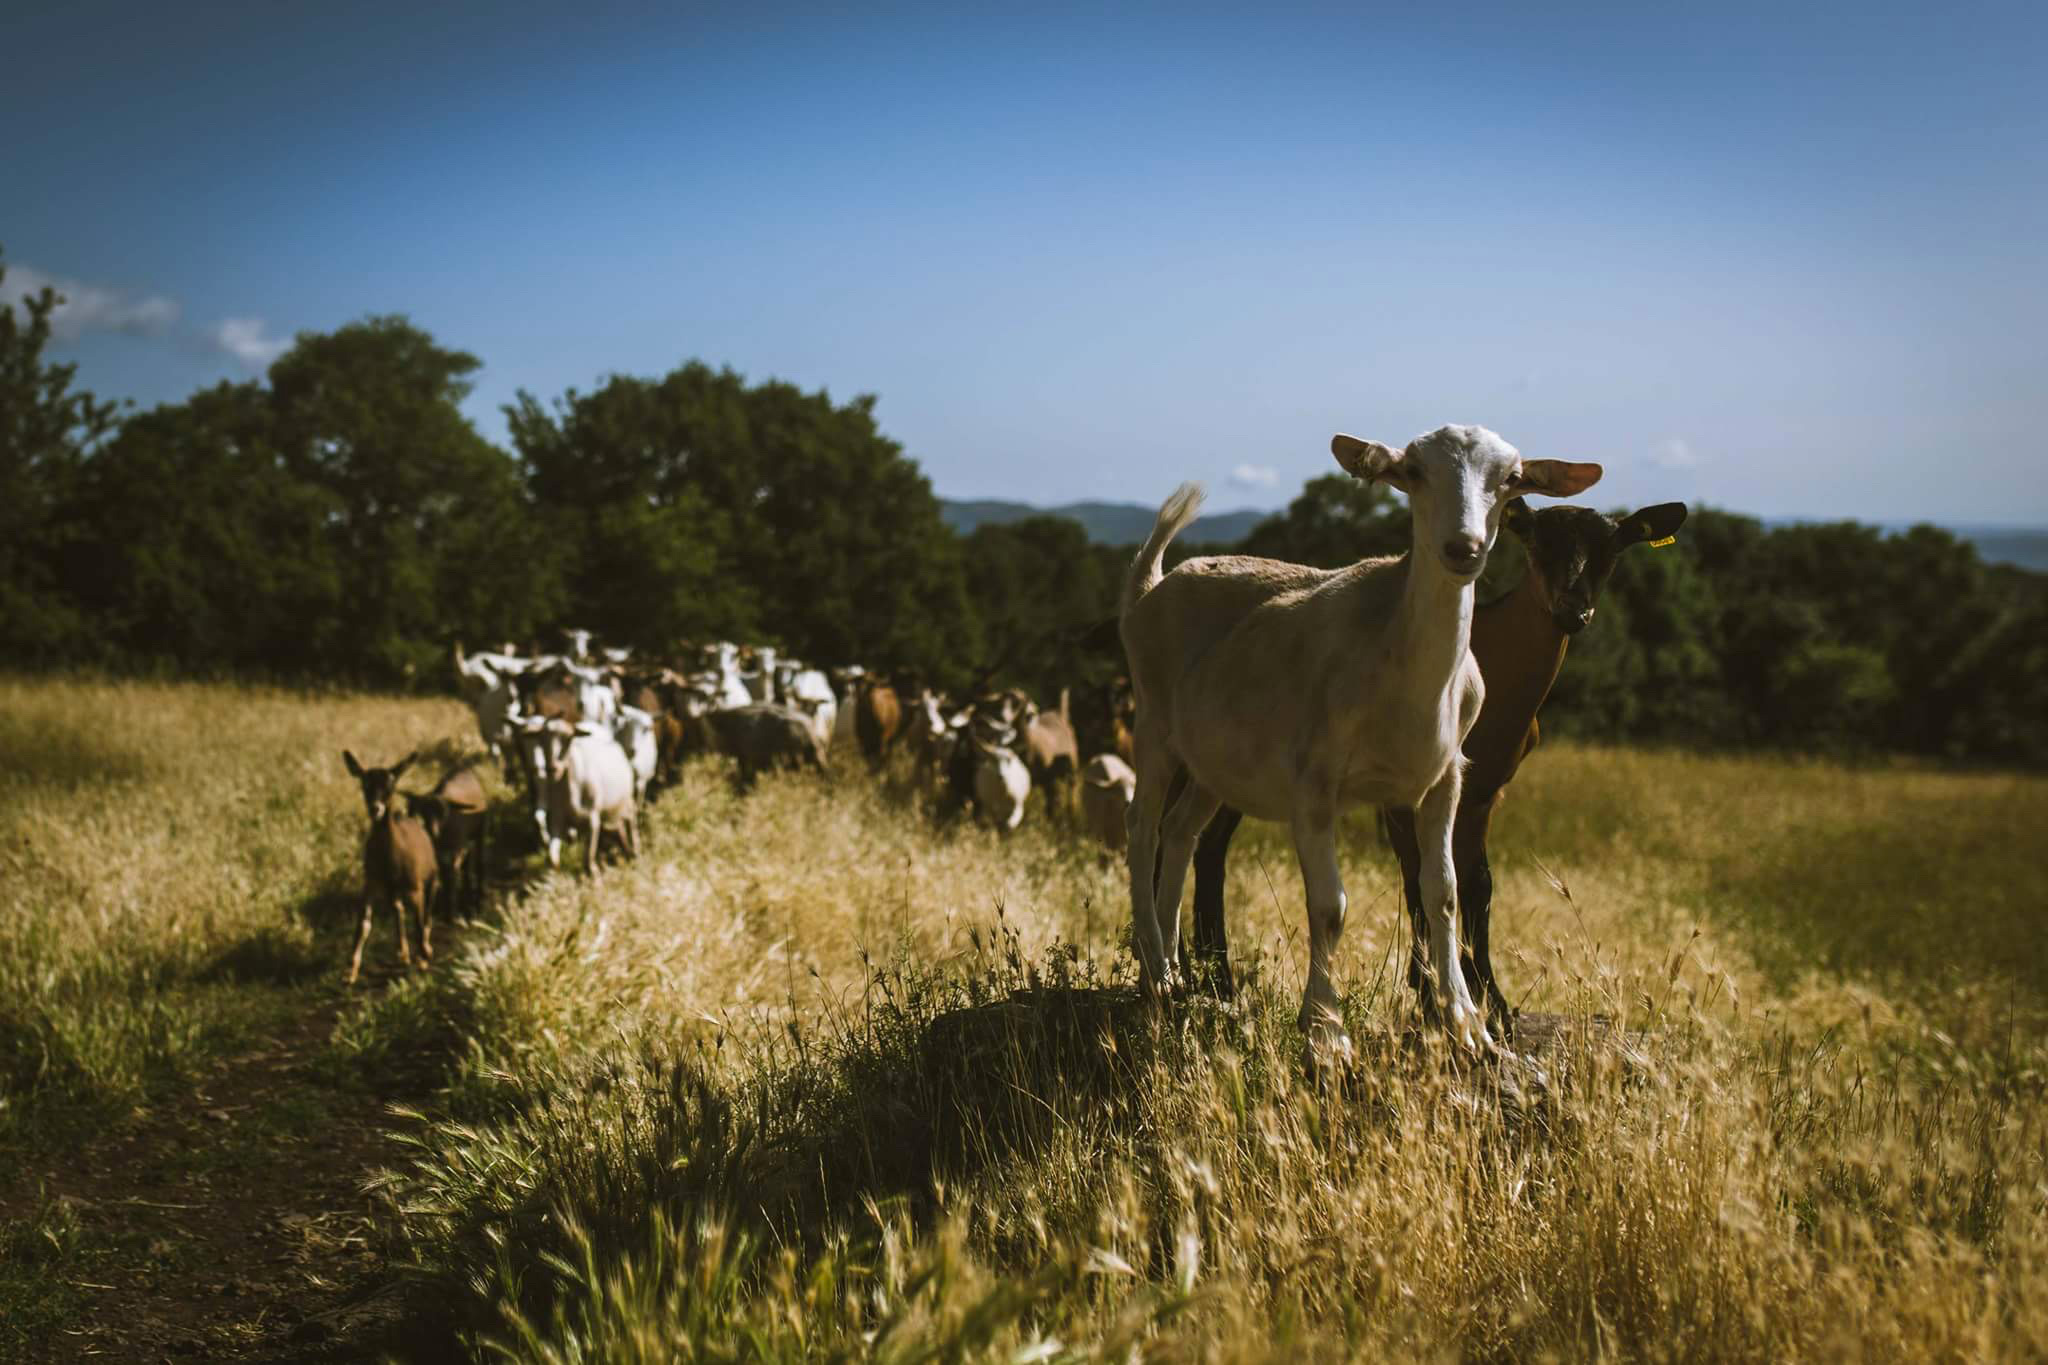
x=1180 y=509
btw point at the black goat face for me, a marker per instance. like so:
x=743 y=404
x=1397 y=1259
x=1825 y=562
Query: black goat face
x=1573 y=551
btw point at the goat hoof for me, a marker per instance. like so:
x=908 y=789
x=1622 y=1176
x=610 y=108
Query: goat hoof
x=1467 y=1029
x=1328 y=1052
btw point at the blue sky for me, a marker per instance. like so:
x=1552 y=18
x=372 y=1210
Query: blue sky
x=1787 y=260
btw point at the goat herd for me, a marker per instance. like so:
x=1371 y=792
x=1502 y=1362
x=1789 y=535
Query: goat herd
x=1255 y=687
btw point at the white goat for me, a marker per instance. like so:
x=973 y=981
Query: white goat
x=635 y=732
x=597 y=692
x=590 y=790
x=810 y=691
x=1107 y=786
x=476 y=674
x=1286 y=692
x=1002 y=784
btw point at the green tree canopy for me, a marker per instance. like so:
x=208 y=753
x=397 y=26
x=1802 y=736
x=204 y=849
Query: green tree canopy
x=427 y=524
x=47 y=429
x=697 y=504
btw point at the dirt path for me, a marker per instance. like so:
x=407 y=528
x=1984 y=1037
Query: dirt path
x=230 y=1222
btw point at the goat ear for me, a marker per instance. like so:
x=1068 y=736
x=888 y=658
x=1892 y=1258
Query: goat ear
x=1518 y=518
x=403 y=764
x=1650 y=523
x=1557 y=478
x=1367 y=460
x=355 y=769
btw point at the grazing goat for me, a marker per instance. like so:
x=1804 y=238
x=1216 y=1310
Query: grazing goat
x=1052 y=755
x=1102 y=715
x=454 y=814
x=597 y=697
x=1287 y=693
x=399 y=866
x=877 y=719
x=476 y=674
x=1519 y=642
x=1002 y=783
x=638 y=736
x=758 y=738
x=497 y=719
x=589 y=790
x=931 y=741
x=810 y=691
x=1107 y=784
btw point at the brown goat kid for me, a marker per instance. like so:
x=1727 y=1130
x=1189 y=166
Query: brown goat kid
x=1054 y=758
x=400 y=868
x=454 y=814
x=877 y=719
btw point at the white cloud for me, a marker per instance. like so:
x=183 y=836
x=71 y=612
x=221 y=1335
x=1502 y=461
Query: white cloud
x=244 y=339
x=1255 y=476
x=1673 y=453
x=90 y=307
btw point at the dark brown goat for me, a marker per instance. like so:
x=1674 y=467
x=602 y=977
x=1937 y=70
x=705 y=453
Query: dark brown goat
x=399 y=865
x=758 y=737
x=454 y=814
x=1519 y=643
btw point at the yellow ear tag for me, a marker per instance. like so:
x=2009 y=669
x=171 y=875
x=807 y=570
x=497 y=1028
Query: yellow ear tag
x=1660 y=544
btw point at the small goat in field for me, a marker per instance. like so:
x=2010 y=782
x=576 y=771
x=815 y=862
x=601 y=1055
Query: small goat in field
x=454 y=814
x=400 y=868
x=1519 y=643
x=1288 y=694
x=589 y=789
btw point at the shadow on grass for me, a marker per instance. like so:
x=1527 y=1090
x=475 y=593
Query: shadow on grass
x=275 y=956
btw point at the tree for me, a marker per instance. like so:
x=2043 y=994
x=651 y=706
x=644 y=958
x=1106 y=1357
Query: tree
x=428 y=519
x=201 y=549
x=47 y=429
x=696 y=504
x=1336 y=520
x=1038 y=585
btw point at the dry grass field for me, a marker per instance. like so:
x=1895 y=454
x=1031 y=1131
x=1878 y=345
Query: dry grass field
x=816 y=1079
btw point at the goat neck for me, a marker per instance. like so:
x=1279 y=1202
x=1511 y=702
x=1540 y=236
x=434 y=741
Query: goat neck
x=1520 y=650
x=1431 y=631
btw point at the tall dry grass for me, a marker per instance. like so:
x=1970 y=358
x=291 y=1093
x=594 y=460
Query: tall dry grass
x=178 y=858
x=818 y=1080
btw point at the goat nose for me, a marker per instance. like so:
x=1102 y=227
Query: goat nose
x=1462 y=552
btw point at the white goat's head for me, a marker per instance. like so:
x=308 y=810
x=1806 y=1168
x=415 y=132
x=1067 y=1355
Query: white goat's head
x=1458 y=479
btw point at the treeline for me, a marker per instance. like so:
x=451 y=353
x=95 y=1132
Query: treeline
x=343 y=521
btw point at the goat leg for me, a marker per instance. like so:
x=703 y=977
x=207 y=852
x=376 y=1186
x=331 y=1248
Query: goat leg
x=1398 y=823
x=1466 y=1025
x=1315 y=844
x=1475 y=905
x=355 y=963
x=1212 y=939
x=425 y=911
x=1142 y=850
x=1184 y=822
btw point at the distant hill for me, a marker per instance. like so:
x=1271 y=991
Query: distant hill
x=2024 y=547
x=1126 y=523
x=1107 y=523
x=2009 y=545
